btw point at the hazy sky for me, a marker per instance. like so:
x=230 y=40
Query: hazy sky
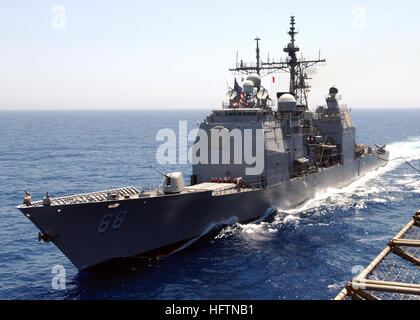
x=176 y=54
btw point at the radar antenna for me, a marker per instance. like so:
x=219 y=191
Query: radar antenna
x=297 y=68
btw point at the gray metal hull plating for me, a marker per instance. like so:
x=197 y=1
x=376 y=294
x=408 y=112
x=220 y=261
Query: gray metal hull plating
x=157 y=222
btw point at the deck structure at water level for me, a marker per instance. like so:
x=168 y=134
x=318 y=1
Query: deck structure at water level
x=394 y=273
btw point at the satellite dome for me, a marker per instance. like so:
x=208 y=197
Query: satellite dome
x=248 y=86
x=287 y=102
x=231 y=94
x=286 y=98
x=255 y=78
x=262 y=93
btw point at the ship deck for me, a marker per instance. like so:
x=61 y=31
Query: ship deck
x=98 y=196
x=127 y=193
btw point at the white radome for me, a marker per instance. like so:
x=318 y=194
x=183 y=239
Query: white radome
x=248 y=86
x=287 y=98
x=287 y=102
x=255 y=78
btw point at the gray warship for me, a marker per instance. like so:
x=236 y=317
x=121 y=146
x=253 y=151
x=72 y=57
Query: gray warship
x=304 y=152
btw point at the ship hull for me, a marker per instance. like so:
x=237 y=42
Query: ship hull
x=90 y=234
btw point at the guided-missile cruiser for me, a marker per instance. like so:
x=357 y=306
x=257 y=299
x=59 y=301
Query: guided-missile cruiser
x=253 y=154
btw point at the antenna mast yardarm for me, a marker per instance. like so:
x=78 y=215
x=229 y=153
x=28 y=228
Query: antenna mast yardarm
x=294 y=66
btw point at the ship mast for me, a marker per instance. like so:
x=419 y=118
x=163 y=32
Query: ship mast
x=291 y=49
x=258 y=56
x=297 y=68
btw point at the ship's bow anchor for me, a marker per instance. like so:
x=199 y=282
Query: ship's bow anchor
x=46 y=237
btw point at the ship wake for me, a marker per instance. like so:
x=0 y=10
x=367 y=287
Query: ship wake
x=211 y=229
x=386 y=184
x=216 y=229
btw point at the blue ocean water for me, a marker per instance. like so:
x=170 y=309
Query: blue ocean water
x=304 y=253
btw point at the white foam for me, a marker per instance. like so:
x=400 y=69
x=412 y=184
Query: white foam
x=372 y=187
x=414 y=186
x=409 y=149
x=231 y=221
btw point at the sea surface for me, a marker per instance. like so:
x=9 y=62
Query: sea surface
x=305 y=253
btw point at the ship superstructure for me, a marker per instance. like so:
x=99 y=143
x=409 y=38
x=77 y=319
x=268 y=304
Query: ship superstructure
x=296 y=140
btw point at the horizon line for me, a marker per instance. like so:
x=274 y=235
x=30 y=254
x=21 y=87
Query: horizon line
x=170 y=109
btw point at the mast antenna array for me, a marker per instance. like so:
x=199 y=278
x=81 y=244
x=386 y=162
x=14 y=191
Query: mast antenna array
x=297 y=68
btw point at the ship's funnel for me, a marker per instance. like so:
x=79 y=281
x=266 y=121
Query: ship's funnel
x=332 y=102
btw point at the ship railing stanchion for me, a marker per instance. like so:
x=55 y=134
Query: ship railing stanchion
x=358 y=287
